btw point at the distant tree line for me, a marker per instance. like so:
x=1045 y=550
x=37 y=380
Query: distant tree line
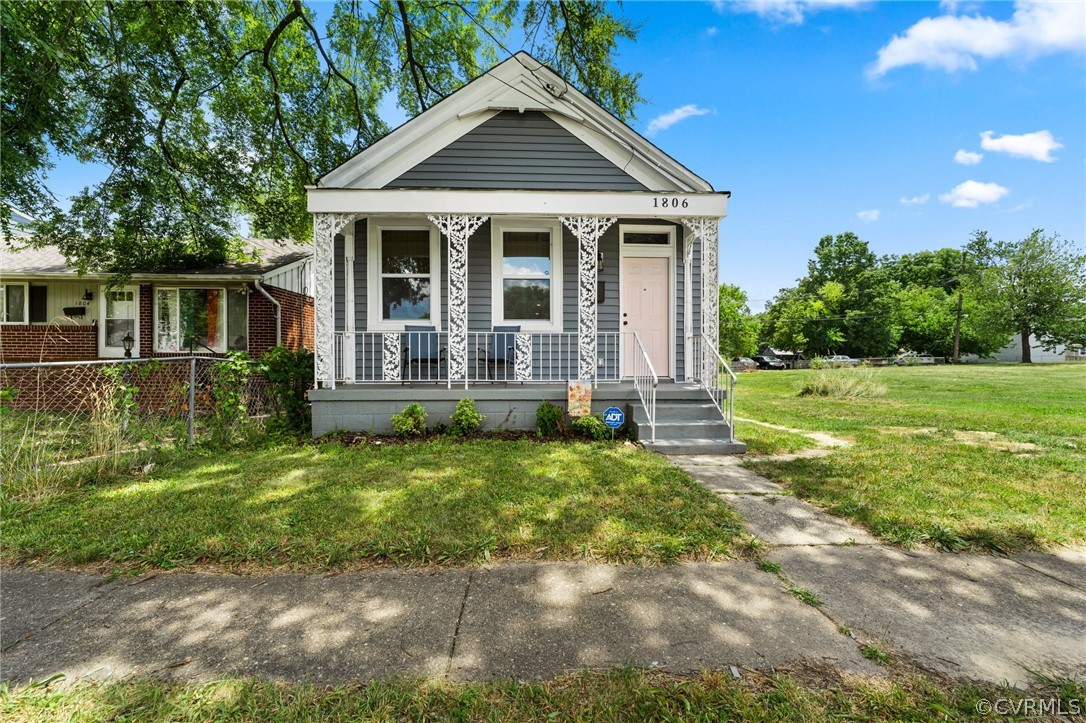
x=854 y=302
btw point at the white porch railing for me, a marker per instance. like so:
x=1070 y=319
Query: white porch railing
x=494 y=356
x=645 y=380
x=717 y=378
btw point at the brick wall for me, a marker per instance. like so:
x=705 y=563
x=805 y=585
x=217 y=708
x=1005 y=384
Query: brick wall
x=297 y=318
x=47 y=342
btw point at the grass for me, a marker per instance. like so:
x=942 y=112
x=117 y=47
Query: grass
x=804 y=595
x=308 y=507
x=976 y=456
x=617 y=695
x=761 y=439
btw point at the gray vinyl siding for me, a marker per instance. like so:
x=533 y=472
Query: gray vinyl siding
x=368 y=351
x=518 y=151
x=340 y=286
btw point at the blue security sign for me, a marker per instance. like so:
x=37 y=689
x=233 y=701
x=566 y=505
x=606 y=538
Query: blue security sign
x=614 y=417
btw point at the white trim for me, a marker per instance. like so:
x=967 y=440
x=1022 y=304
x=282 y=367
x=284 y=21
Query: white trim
x=349 y=318
x=412 y=201
x=497 y=293
x=650 y=251
x=26 y=302
x=375 y=225
x=112 y=352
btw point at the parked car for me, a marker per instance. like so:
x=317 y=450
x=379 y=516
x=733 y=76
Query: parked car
x=743 y=363
x=912 y=359
x=839 y=360
x=768 y=362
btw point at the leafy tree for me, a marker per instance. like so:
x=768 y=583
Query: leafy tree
x=804 y=323
x=1039 y=286
x=738 y=327
x=211 y=114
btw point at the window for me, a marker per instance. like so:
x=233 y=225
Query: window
x=201 y=319
x=404 y=275
x=13 y=303
x=527 y=268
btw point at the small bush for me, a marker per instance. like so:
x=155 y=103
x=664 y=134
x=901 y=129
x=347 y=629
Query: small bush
x=846 y=384
x=411 y=422
x=591 y=426
x=290 y=374
x=549 y=419
x=466 y=418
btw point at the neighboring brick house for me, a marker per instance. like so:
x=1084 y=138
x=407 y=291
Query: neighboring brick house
x=49 y=313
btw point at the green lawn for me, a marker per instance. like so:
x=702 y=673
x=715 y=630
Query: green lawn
x=315 y=506
x=618 y=695
x=919 y=472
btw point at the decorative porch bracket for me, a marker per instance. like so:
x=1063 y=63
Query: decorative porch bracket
x=588 y=230
x=325 y=228
x=458 y=229
x=706 y=231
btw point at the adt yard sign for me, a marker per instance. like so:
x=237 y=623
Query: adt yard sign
x=613 y=417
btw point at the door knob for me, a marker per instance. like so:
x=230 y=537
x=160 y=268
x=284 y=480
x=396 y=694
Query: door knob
x=624 y=315
x=625 y=323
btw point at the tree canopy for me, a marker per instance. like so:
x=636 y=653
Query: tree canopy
x=214 y=116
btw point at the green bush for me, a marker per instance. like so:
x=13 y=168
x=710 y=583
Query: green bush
x=591 y=426
x=549 y=419
x=844 y=384
x=466 y=418
x=411 y=422
x=290 y=374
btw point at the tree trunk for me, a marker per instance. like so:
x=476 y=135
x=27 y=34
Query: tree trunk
x=1026 y=351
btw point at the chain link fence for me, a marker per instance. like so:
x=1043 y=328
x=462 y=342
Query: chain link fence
x=55 y=414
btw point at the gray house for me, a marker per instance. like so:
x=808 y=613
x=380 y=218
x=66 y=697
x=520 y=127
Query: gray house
x=510 y=240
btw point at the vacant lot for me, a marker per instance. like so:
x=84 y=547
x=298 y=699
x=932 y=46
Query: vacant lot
x=316 y=506
x=971 y=456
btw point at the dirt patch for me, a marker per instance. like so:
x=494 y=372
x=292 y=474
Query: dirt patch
x=992 y=440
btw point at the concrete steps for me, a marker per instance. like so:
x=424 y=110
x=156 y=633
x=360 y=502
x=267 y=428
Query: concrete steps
x=687 y=422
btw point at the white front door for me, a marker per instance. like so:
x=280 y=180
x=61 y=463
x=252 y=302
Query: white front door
x=118 y=314
x=646 y=309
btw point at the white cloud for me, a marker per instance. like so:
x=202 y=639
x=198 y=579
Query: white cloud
x=956 y=42
x=666 y=120
x=973 y=193
x=1038 y=146
x=872 y=214
x=915 y=200
x=711 y=31
x=788 y=12
x=967 y=158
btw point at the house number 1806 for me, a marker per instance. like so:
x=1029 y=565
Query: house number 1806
x=658 y=202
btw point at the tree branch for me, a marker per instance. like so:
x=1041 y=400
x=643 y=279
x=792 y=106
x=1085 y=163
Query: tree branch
x=411 y=54
x=269 y=45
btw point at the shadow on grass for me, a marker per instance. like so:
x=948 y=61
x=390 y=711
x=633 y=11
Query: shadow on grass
x=333 y=506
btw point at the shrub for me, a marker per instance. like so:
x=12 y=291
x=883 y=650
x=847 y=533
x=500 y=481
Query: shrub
x=549 y=419
x=466 y=418
x=290 y=374
x=591 y=426
x=845 y=384
x=411 y=422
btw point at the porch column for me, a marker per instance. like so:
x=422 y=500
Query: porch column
x=588 y=230
x=706 y=230
x=325 y=228
x=458 y=229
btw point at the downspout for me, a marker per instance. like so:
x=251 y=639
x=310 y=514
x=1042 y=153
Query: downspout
x=278 y=312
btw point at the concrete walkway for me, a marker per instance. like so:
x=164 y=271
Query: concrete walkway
x=973 y=616
x=977 y=616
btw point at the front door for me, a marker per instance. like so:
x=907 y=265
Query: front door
x=646 y=309
x=119 y=314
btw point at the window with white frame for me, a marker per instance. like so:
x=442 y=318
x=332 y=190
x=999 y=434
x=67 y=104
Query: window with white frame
x=201 y=319
x=527 y=265
x=404 y=275
x=14 y=303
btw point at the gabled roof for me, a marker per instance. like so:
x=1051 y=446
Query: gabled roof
x=521 y=83
x=272 y=254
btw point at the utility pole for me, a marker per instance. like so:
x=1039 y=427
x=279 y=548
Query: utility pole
x=958 y=318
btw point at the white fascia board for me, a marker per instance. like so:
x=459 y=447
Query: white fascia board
x=415 y=202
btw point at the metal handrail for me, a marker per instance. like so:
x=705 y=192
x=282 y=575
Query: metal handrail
x=642 y=380
x=729 y=416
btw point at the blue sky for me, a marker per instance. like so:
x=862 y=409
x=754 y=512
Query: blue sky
x=833 y=116
x=794 y=114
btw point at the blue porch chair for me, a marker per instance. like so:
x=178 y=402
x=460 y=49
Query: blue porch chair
x=501 y=348
x=420 y=346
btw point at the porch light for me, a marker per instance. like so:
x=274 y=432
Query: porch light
x=599 y=260
x=88 y=295
x=128 y=342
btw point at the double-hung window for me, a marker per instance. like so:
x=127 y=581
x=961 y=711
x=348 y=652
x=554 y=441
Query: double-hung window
x=404 y=275
x=202 y=320
x=13 y=303
x=527 y=266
